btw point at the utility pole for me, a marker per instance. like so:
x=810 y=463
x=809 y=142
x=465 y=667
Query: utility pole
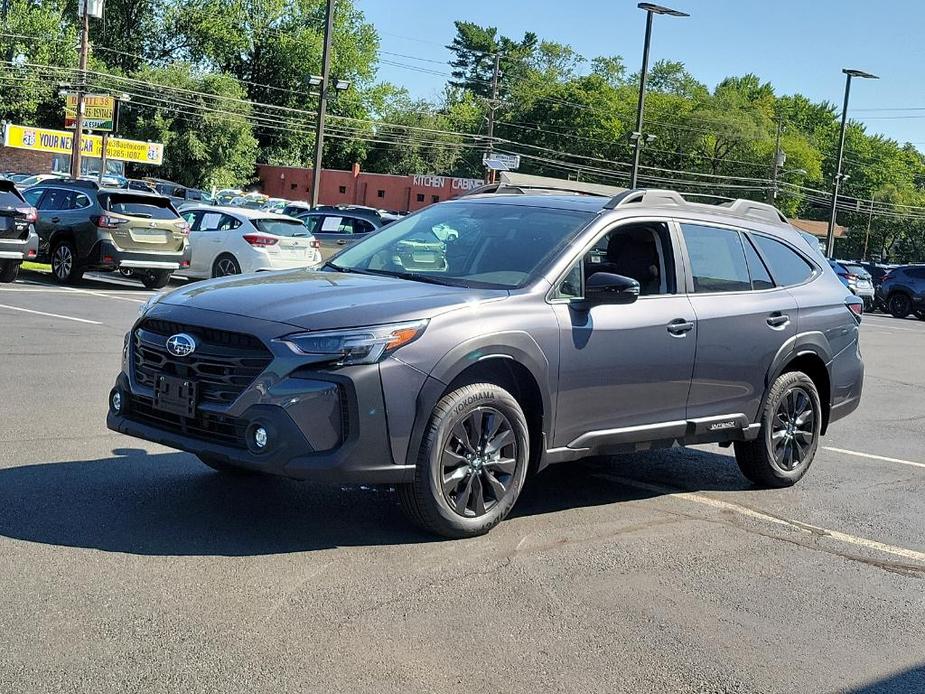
x=322 y=102
x=81 y=86
x=492 y=107
x=870 y=218
x=772 y=193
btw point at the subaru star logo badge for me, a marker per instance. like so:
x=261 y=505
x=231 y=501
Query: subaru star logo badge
x=181 y=345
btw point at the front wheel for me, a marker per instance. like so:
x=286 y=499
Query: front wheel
x=472 y=463
x=156 y=279
x=900 y=305
x=9 y=270
x=791 y=424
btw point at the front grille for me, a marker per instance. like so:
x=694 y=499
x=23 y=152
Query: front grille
x=205 y=425
x=223 y=365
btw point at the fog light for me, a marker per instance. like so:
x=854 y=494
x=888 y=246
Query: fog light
x=260 y=437
x=116 y=402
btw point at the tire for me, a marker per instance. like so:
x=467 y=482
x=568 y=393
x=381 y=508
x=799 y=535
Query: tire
x=464 y=488
x=156 y=279
x=899 y=305
x=64 y=268
x=225 y=266
x=223 y=467
x=9 y=270
x=782 y=453
x=920 y=314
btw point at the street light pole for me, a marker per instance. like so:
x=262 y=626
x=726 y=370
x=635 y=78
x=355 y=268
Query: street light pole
x=772 y=194
x=322 y=102
x=650 y=10
x=830 y=233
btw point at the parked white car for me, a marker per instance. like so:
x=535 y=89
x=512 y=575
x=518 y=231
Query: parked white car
x=232 y=240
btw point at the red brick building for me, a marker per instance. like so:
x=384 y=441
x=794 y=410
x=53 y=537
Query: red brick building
x=384 y=191
x=24 y=160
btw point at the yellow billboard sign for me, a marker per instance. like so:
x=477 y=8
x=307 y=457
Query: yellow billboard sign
x=98 y=111
x=60 y=142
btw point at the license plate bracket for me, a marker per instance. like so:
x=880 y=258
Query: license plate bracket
x=175 y=395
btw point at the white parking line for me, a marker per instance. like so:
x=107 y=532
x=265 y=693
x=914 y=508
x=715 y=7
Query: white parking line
x=705 y=500
x=69 y=290
x=51 y=315
x=874 y=457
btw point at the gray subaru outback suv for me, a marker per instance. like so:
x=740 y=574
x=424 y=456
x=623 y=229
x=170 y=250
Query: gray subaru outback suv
x=480 y=339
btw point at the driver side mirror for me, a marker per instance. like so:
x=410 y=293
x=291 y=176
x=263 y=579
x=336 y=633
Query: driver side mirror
x=608 y=288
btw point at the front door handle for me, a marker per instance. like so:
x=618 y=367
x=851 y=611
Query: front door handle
x=778 y=319
x=55 y=220
x=679 y=327
x=341 y=242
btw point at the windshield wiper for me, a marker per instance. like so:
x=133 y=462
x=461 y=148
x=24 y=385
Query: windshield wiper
x=336 y=268
x=416 y=277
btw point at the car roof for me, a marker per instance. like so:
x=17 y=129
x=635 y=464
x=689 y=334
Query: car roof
x=245 y=212
x=592 y=203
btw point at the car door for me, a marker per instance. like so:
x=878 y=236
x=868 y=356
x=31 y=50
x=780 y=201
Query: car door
x=334 y=232
x=207 y=242
x=743 y=320
x=625 y=370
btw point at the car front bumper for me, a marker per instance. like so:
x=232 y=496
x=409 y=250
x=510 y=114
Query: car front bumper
x=321 y=424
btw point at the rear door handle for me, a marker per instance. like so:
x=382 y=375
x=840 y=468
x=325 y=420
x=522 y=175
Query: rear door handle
x=342 y=242
x=55 y=220
x=778 y=319
x=680 y=327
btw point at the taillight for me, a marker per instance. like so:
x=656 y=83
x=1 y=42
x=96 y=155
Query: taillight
x=315 y=243
x=31 y=214
x=183 y=227
x=106 y=222
x=856 y=306
x=849 y=276
x=260 y=241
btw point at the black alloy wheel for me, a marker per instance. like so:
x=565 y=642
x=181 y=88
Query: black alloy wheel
x=478 y=462
x=793 y=429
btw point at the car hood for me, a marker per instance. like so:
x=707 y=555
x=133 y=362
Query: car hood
x=325 y=300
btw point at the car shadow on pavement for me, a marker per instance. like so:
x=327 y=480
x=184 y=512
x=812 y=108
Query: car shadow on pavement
x=912 y=680
x=170 y=504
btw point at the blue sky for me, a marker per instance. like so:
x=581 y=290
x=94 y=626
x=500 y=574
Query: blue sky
x=797 y=45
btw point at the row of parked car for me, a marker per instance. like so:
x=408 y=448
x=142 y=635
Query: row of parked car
x=895 y=289
x=78 y=225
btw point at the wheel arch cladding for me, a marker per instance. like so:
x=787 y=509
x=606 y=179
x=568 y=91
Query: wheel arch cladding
x=514 y=358
x=813 y=366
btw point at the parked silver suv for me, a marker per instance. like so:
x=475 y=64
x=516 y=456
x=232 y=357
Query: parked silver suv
x=461 y=347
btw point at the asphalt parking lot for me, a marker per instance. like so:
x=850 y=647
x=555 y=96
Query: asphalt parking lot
x=128 y=567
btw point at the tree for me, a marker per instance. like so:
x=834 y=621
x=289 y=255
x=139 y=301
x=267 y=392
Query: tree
x=474 y=48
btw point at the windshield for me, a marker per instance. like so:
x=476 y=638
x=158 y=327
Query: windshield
x=145 y=206
x=281 y=227
x=467 y=244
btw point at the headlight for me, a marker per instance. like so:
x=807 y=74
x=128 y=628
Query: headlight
x=356 y=345
x=146 y=306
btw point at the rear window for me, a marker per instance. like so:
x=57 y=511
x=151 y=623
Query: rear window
x=10 y=199
x=855 y=269
x=146 y=207
x=281 y=227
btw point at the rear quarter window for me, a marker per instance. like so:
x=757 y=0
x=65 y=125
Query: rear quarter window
x=146 y=207
x=281 y=227
x=786 y=265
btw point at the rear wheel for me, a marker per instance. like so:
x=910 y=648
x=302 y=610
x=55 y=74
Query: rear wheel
x=64 y=263
x=472 y=463
x=791 y=424
x=9 y=270
x=900 y=305
x=225 y=265
x=156 y=279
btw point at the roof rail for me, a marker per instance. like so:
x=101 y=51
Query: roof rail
x=652 y=197
x=646 y=196
x=523 y=189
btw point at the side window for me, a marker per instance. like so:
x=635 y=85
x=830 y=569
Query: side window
x=211 y=221
x=192 y=218
x=80 y=201
x=311 y=223
x=361 y=226
x=717 y=259
x=54 y=199
x=641 y=251
x=761 y=279
x=32 y=196
x=786 y=265
x=228 y=222
x=347 y=225
x=334 y=225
